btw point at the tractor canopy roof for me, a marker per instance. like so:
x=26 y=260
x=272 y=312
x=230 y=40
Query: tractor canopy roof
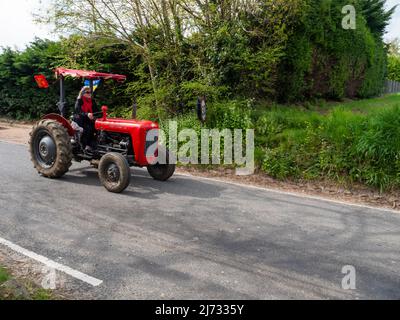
x=91 y=75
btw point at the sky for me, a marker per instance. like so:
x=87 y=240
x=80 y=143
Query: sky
x=394 y=28
x=17 y=28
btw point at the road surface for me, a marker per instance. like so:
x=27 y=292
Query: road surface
x=193 y=238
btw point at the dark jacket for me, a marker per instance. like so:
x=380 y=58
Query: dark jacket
x=82 y=117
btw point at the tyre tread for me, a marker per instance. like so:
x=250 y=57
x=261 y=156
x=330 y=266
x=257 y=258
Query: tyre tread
x=64 y=149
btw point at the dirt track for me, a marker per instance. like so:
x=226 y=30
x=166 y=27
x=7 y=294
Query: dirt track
x=16 y=133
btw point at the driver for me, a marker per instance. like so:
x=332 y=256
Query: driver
x=85 y=106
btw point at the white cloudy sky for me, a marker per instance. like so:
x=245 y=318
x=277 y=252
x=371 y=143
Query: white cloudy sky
x=394 y=28
x=17 y=28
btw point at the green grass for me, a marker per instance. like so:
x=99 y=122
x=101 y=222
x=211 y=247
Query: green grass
x=348 y=142
x=355 y=141
x=323 y=107
x=4 y=275
x=366 y=105
x=42 y=294
x=345 y=142
x=35 y=292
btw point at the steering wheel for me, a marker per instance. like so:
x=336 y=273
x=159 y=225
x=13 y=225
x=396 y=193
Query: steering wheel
x=98 y=115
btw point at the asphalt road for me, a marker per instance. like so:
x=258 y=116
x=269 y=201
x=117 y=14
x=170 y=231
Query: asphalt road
x=191 y=238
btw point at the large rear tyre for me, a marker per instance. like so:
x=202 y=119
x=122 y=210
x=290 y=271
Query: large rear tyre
x=162 y=172
x=50 y=148
x=114 y=172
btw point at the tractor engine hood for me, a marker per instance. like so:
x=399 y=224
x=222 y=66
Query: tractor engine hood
x=124 y=125
x=136 y=129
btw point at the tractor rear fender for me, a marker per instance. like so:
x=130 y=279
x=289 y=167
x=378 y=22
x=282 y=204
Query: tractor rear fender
x=62 y=120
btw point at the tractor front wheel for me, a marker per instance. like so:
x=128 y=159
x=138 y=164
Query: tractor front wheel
x=114 y=172
x=162 y=171
x=50 y=149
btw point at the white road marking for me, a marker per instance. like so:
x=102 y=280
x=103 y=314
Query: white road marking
x=292 y=194
x=52 y=264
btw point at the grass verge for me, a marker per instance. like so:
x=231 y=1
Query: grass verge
x=346 y=143
x=20 y=289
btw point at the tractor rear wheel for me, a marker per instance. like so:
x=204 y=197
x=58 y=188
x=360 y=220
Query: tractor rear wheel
x=50 y=148
x=114 y=172
x=162 y=172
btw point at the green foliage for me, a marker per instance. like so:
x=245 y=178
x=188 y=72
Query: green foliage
x=325 y=61
x=34 y=292
x=231 y=114
x=19 y=96
x=394 y=68
x=376 y=15
x=42 y=295
x=292 y=50
x=394 y=47
x=342 y=145
x=4 y=275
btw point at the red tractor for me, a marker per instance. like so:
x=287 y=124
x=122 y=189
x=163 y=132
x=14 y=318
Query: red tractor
x=119 y=143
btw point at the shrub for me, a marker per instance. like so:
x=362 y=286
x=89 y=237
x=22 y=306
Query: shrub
x=324 y=60
x=233 y=114
x=342 y=146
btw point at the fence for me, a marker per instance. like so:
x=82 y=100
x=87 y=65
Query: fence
x=392 y=86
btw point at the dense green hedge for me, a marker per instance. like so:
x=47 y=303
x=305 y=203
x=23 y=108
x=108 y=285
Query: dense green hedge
x=292 y=50
x=323 y=60
x=20 y=96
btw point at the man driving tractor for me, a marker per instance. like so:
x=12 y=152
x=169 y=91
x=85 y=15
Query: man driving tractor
x=85 y=107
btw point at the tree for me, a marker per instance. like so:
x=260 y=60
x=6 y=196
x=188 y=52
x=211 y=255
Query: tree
x=120 y=21
x=19 y=94
x=394 y=47
x=378 y=18
x=394 y=60
x=188 y=45
x=227 y=49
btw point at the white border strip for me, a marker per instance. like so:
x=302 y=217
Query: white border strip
x=292 y=194
x=52 y=264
